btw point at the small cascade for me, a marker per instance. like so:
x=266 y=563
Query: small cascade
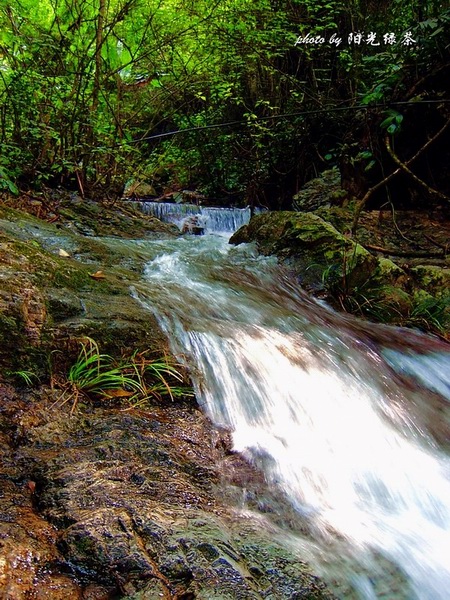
x=213 y=219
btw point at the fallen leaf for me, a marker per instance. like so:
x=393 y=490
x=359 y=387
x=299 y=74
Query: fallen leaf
x=118 y=393
x=97 y=275
x=63 y=253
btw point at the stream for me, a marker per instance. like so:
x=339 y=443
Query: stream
x=348 y=419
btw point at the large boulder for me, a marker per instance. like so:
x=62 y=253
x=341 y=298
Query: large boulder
x=309 y=246
x=57 y=285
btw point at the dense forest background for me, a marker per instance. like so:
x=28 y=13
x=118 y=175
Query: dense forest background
x=243 y=101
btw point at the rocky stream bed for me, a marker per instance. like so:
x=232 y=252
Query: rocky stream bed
x=118 y=502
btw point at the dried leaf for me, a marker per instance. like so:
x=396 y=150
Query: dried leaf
x=63 y=253
x=118 y=393
x=97 y=275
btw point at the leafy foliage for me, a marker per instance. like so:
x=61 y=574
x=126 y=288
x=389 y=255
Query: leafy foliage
x=28 y=378
x=85 y=86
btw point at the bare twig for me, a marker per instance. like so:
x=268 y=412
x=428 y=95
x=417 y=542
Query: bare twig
x=417 y=180
x=387 y=179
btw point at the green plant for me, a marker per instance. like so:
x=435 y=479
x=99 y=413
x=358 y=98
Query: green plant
x=337 y=278
x=7 y=173
x=359 y=294
x=392 y=122
x=27 y=377
x=94 y=373
x=158 y=378
x=430 y=314
x=135 y=381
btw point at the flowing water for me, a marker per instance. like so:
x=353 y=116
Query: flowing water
x=349 y=420
x=215 y=219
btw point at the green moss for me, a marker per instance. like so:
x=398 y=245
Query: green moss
x=434 y=279
x=46 y=300
x=326 y=261
x=12 y=338
x=17 y=351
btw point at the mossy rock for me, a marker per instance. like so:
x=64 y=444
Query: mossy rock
x=309 y=246
x=434 y=279
x=47 y=299
x=324 y=190
x=139 y=189
x=120 y=219
x=90 y=218
x=264 y=228
x=347 y=275
x=387 y=270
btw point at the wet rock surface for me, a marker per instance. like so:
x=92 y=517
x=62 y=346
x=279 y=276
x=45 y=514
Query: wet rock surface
x=57 y=285
x=113 y=504
x=67 y=210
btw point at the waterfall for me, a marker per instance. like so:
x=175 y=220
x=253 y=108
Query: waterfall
x=226 y=220
x=348 y=420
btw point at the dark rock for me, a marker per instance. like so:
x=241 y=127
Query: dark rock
x=325 y=190
x=193 y=225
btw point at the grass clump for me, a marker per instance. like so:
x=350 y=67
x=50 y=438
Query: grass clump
x=366 y=298
x=386 y=303
x=431 y=314
x=135 y=381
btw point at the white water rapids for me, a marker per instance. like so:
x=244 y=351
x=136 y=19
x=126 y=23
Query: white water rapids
x=349 y=420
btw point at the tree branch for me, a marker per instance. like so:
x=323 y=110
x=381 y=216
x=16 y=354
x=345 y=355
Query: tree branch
x=405 y=253
x=414 y=177
x=387 y=179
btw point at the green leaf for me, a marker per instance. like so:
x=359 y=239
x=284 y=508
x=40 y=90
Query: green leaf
x=370 y=165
